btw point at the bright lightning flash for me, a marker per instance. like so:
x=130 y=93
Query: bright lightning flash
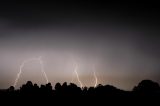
x=75 y=70
x=96 y=80
x=42 y=69
x=27 y=61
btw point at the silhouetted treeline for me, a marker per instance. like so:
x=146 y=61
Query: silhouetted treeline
x=145 y=89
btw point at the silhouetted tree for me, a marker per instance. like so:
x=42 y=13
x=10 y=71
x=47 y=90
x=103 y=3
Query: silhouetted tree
x=84 y=91
x=11 y=89
x=49 y=89
x=57 y=86
x=147 y=86
x=58 y=89
x=27 y=89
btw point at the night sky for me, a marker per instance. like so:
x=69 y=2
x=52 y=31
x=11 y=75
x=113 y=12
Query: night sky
x=121 y=40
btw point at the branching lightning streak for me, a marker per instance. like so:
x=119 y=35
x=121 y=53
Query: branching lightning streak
x=75 y=70
x=26 y=61
x=42 y=69
x=95 y=79
x=95 y=76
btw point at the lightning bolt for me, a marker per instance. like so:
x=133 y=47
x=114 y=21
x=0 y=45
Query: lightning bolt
x=29 y=60
x=42 y=69
x=95 y=76
x=75 y=70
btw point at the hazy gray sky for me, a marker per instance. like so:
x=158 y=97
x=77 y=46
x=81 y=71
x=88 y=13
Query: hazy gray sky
x=122 y=41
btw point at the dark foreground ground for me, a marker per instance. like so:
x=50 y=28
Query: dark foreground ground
x=146 y=92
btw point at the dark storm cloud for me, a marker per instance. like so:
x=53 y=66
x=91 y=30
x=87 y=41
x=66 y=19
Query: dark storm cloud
x=124 y=37
x=72 y=11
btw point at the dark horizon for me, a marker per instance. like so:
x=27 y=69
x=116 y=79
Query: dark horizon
x=118 y=41
x=146 y=91
x=145 y=84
